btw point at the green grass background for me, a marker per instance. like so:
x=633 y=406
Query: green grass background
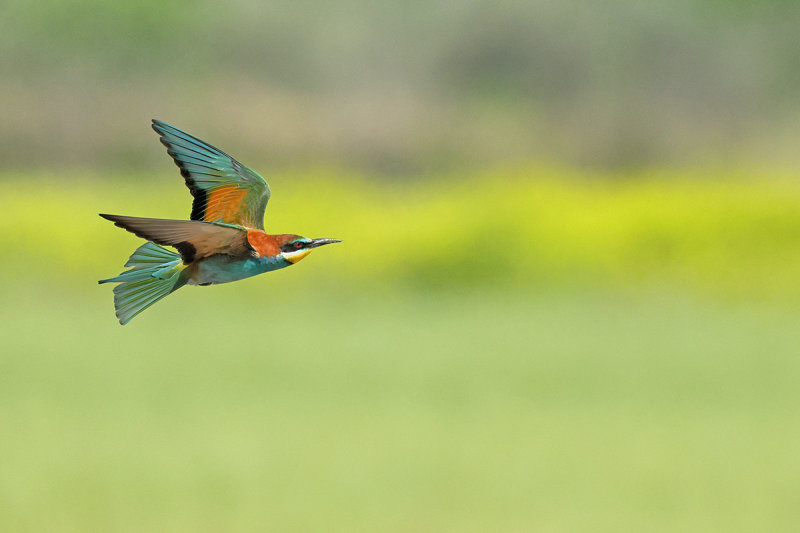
x=524 y=349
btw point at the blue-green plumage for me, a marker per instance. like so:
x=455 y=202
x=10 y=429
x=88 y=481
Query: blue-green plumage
x=155 y=272
x=224 y=268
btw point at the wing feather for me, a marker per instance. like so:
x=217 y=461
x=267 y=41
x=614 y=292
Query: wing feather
x=193 y=239
x=212 y=176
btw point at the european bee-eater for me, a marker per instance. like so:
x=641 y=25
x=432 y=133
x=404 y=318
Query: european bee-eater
x=224 y=240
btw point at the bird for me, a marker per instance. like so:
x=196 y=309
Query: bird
x=223 y=240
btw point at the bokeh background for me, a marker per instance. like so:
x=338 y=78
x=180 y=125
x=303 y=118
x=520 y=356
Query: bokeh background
x=566 y=299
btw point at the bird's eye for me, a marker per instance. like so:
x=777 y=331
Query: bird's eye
x=298 y=245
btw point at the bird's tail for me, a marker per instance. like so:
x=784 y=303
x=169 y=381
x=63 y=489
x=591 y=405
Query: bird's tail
x=155 y=273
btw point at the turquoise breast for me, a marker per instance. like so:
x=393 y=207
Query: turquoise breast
x=224 y=268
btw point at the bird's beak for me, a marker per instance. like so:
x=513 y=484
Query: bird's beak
x=320 y=242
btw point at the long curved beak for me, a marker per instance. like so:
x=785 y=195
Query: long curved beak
x=320 y=242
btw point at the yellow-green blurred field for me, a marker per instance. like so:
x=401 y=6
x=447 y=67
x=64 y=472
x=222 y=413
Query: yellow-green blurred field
x=525 y=349
x=722 y=234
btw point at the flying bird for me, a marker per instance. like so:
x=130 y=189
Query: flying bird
x=223 y=241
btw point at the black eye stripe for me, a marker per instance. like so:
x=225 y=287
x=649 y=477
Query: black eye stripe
x=294 y=246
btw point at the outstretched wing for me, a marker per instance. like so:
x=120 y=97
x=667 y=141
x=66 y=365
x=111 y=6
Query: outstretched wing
x=224 y=190
x=193 y=239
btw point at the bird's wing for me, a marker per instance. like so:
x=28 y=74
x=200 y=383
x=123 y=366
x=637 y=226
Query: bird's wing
x=193 y=239
x=224 y=190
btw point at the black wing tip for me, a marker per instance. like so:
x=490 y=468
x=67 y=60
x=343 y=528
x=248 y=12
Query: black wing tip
x=112 y=218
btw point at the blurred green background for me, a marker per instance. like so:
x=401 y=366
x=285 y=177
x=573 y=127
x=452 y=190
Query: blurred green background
x=566 y=299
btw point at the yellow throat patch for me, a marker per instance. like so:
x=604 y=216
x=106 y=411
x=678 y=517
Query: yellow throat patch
x=294 y=257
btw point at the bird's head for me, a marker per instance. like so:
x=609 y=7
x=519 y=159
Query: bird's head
x=294 y=247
